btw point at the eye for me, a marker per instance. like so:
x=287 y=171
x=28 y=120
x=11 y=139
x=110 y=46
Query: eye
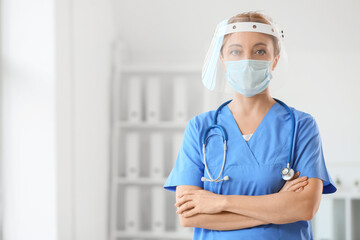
x=261 y=52
x=235 y=52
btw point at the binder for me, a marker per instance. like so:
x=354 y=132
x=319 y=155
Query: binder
x=132 y=207
x=132 y=155
x=156 y=155
x=134 y=103
x=158 y=209
x=180 y=99
x=153 y=99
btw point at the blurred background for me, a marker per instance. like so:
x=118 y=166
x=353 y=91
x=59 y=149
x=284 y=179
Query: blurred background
x=95 y=96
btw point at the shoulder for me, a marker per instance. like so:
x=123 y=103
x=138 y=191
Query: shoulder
x=304 y=121
x=197 y=125
x=202 y=120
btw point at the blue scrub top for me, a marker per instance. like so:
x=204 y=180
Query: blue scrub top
x=254 y=167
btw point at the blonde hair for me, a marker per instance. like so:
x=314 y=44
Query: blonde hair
x=253 y=16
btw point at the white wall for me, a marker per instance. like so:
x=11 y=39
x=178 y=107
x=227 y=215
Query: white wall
x=56 y=71
x=84 y=33
x=28 y=130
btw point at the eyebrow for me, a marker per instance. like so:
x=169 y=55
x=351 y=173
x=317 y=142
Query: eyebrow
x=238 y=45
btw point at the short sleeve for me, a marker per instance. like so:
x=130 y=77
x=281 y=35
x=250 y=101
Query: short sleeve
x=309 y=158
x=188 y=168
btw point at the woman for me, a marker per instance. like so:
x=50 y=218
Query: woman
x=254 y=196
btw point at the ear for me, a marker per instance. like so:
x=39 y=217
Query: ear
x=222 y=61
x=276 y=60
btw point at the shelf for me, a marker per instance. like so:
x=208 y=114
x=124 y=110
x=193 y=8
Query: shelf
x=342 y=195
x=151 y=125
x=142 y=181
x=154 y=235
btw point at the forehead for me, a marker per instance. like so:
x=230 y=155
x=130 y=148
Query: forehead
x=248 y=38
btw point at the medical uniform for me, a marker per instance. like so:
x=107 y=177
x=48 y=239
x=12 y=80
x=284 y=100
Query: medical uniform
x=253 y=166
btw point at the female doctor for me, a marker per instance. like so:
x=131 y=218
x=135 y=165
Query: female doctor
x=254 y=168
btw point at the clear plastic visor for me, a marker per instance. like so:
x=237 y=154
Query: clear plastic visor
x=240 y=45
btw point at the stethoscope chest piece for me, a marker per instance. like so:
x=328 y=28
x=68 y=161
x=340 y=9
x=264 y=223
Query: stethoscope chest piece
x=287 y=173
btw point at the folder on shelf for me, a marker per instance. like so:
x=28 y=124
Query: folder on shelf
x=132 y=151
x=158 y=209
x=156 y=155
x=134 y=103
x=132 y=207
x=180 y=100
x=153 y=99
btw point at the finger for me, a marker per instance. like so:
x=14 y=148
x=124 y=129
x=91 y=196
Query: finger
x=299 y=189
x=190 y=213
x=182 y=200
x=300 y=179
x=185 y=193
x=185 y=206
x=298 y=185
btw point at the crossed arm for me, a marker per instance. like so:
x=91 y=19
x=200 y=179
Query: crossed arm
x=204 y=209
x=220 y=221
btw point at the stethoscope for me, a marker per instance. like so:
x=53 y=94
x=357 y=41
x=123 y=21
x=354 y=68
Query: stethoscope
x=287 y=172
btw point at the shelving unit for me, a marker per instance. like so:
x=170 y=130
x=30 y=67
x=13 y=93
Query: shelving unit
x=339 y=216
x=151 y=106
x=145 y=133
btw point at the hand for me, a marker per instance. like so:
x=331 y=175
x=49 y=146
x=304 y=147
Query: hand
x=296 y=184
x=198 y=201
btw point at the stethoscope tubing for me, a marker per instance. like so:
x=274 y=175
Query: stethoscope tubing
x=225 y=138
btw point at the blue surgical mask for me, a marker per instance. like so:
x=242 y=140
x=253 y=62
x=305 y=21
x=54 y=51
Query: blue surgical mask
x=248 y=77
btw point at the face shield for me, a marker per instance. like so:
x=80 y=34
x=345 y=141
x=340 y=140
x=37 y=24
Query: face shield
x=245 y=56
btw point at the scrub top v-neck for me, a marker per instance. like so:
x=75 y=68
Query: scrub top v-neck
x=254 y=166
x=258 y=131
